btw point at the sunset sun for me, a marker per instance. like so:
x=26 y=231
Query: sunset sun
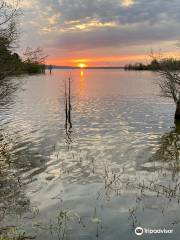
x=82 y=65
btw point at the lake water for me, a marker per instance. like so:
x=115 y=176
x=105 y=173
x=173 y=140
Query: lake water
x=117 y=169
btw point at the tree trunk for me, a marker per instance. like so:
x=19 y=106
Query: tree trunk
x=177 y=113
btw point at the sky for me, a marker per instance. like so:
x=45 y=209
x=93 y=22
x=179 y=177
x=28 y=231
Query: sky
x=101 y=32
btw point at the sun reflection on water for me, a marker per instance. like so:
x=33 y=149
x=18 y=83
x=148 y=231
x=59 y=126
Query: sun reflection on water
x=82 y=73
x=82 y=83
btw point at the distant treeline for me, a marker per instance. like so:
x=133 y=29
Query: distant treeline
x=155 y=65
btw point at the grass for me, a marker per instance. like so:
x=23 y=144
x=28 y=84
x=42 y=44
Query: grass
x=14 y=233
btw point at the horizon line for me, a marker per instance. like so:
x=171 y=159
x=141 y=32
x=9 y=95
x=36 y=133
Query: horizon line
x=88 y=67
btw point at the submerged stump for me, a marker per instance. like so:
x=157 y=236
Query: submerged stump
x=177 y=113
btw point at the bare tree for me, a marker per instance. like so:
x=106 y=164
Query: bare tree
x=8 y=10
x=8 y=13
x=35 y=56
x=34 y=60
x=169 y=78
x=169 y=83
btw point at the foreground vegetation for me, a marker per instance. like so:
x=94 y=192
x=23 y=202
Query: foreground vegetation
x=11 y=63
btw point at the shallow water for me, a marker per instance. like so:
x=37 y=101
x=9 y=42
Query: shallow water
x=118 y=168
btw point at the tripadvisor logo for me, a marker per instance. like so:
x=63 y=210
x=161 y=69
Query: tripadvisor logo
x=140 y=231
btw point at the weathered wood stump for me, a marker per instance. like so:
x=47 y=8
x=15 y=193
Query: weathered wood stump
x=177 y=113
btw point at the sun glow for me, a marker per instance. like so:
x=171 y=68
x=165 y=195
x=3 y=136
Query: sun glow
x=128 y=3
x=82 y=65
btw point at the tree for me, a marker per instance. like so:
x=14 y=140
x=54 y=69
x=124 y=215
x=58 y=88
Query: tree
x=34 y=60
x=169 y=80
x=8 y=10
x=8 y=34
x=9 y=61
x=8 y=13
x=169 y=83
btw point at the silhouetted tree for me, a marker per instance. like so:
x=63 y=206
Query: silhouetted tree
x=8 y=17
x=170 y=87
x=9 y=61
x=34 y=60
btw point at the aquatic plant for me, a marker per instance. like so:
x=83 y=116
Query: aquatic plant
x=68 y=109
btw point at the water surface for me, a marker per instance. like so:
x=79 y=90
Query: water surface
x=118 y=169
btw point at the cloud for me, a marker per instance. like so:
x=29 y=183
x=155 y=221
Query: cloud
x=105 y=11
x=95 y=24
x=116 y=36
